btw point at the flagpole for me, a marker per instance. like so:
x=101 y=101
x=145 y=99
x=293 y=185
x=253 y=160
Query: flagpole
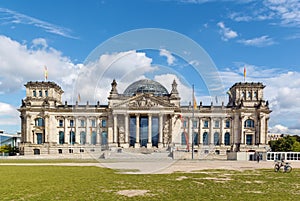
x=193 y=124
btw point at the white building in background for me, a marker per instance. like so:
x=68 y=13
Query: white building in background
x=144 y=116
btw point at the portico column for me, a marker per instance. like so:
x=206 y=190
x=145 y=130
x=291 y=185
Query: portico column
x=28 y=129
x=46 y=126
x=115 y=128
x=126 y=128
x=190 y=130
x=87 y=131
x=137 y=131
x=160 y=131
x=149 y=144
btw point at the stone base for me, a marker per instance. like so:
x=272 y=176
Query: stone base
x=149 y=145
x=124 y=145
x=137 y=145
x=160 y=145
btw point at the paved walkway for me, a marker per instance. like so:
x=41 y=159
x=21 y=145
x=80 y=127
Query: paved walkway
x=167 y=166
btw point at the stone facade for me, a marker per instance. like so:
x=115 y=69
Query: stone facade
x=147 y=116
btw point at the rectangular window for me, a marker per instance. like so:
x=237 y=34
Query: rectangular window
x=46 y=93
x=40 y=93
x=205 y=124
x=249 y=139
x=103 y=123
x=82 y=123
x=227 y=124
x=217 y=124
x=61 y=123
x=71 y=123
x=34 y=93
x=93 y=123
x=195 y=124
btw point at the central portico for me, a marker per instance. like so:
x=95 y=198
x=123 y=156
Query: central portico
x=142 y=114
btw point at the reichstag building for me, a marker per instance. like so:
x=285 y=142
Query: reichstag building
x=145 y=116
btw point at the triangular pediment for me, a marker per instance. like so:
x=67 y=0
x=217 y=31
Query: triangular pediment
x=144 y=101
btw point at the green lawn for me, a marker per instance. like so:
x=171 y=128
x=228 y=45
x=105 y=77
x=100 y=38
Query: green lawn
x=94 y=183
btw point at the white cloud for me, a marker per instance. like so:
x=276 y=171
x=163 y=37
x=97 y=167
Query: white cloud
x=13 y=17
x=168 y=55
x=258 y=42
x=8 y=115
x=280 y=12
x=278 y=128
x=20 y=63
x=226 y=32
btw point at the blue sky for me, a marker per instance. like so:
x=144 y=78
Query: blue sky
x=263 y=36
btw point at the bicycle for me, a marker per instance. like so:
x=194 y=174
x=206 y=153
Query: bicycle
x=281 y=166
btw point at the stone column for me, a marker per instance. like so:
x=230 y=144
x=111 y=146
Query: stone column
x=242 y=131
x=28 y=129
x=160 y=131
x=126 y=129
x=115 y=128
x=137 y=131
x=77 y=134
x=149 y=144
x=98 y=130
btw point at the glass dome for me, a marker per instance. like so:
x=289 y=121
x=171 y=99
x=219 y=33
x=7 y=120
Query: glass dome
x=146 y=86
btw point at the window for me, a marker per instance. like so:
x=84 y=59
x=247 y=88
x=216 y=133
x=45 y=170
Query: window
x=61 y=137
x=216 y=138
x=243 y=95
x=195 y=123
x=227 y=138
x=217 y=124
x=71 y=123
x=205 y=138
x=103 y=123
x=255 y=95
x=183 y=138
x=104 y=140
x=72 y=137
x=93 y=123
x=39 y=138
x=196 y=141
x=40 y=93
x=249 y=94
x=60 y=123
x=82 y=123
x=34 y=93
x=82 y=137
x=227 y=124
x=46 y=93
x=94 y=138
x=249 y=123
x=39 y=122
x=205 y=125
x=249 y=139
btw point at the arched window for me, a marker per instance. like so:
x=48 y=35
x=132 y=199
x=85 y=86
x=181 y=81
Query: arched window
x=249 y=123
x=34 y=93
x=94 y=138
x=39 y=122
x=82 y=137
x=183 y=138
x=255 y=95
x=227 y=138
x=249 y=94
x=196 y=137
x=205 y=138
x=61 y=137
x=216 y=138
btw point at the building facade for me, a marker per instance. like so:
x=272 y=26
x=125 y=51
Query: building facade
x=144 y=116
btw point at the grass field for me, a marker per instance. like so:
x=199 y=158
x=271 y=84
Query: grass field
x=94 y=183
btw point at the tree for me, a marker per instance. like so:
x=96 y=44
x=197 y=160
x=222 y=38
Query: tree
x=287 y=143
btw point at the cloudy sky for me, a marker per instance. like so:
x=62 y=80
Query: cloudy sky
x=262 y=36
